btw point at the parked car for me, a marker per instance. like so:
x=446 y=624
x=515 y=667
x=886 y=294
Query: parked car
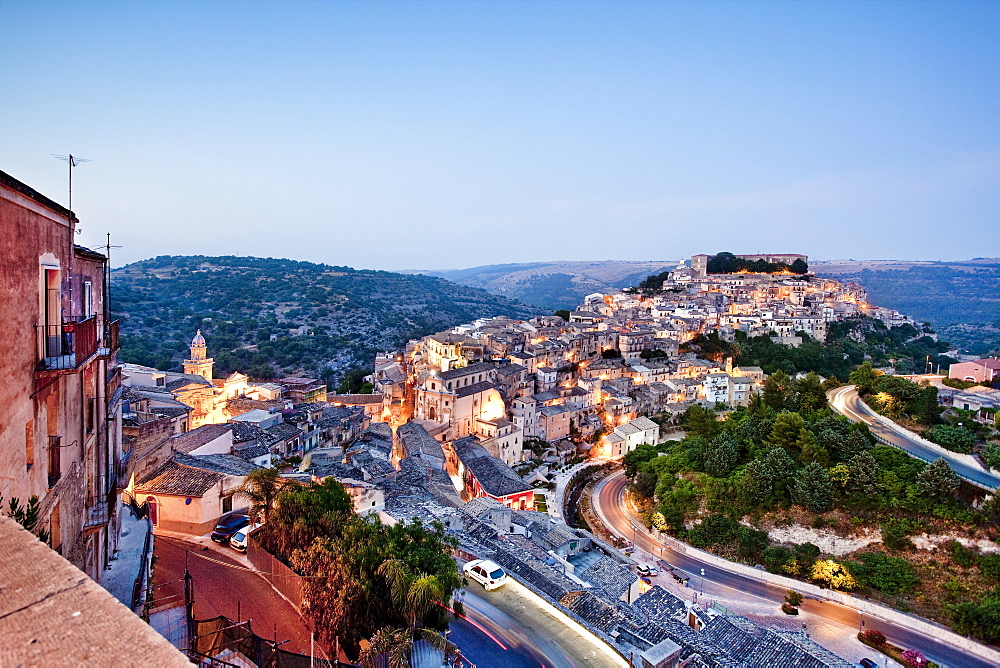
x=485 y=572
x=646 y=571
x=867 y=663
x=229 y=524
x=239 y=540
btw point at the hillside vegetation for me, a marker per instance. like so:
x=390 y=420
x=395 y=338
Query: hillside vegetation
x=268 y=317
x=554 y=285
x=960 y=300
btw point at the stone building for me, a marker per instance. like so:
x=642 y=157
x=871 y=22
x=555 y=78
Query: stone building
x=60 y=429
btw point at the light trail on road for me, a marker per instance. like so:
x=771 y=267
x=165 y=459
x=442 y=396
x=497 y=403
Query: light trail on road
x=609 y=503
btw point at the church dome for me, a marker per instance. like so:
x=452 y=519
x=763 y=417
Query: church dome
x=198 y=339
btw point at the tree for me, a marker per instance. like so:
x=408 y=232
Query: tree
x=864 y=475
x=809 y=393
x=722 y=456
x=701 y=421
x=776 y=390
x=413 y=593
x=644 y=484
x=787 y=432
x=813 y=489
x=611 y=354
x=261 y=488
x=938 y=481
x=864 y=377
x=810 y=451
x=562 y=313
x=840 y=475
x=991 y=454
x=799 y=266
x=891 y=575
x=303 y=513
x=793 y=598
x=929 y=408
x=859 y=440
x=979 y=620
x=835 y=576
x=396 y=646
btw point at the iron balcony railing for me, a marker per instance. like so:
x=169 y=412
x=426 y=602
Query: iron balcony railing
x=68 y=344
x=111 y=342
x=100 y=507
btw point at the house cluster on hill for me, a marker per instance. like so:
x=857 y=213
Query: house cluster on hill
x=189 y=439
x=587 y=386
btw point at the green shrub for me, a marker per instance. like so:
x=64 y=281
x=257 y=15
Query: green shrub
x=890 y=575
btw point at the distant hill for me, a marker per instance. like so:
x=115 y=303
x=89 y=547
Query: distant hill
x=554 y=285
x=241 y=303
x=961 y=300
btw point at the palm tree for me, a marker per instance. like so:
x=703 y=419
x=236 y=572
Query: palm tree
x=396 y=645
x=413 y=594
x=261 y=488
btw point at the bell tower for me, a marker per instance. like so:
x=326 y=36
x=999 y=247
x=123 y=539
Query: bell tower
x=199 y=364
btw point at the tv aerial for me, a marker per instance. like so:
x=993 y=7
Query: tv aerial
x=73 y=161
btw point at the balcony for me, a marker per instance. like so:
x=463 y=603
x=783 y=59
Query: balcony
x=99 y=510
x=55 y=459
x=111 y=339
x=65 y=346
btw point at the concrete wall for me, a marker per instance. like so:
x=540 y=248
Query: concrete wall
x=174 y=514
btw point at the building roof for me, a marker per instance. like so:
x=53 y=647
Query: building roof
x=224 y=464
x=354 y=399
x=178 y=480
x=196 y=438
x=477 y=367
x=253 y=415
x=51 y=613
x=643 y=422
x=611 y=577
x=475 y=388
x=252 y=451
x=495 y=477
x=415 y=439
x=185 y=379
x=283 y=431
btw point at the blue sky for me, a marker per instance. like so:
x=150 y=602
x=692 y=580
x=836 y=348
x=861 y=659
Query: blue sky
x=452 y=134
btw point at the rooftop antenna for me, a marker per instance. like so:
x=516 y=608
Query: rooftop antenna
x=73 y=161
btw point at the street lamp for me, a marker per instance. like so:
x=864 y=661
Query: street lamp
x=703 y=581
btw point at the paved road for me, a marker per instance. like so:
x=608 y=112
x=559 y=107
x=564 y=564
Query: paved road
x=845 y=400
x=608 y=501
x=223 y=586
x=518 y=630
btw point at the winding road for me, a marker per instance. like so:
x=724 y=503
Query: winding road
x=720 y=582
x=845 y=400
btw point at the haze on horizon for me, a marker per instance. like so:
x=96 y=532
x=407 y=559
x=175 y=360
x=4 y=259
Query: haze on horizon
x=455 y=134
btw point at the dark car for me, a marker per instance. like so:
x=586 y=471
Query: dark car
x=229 y=524
x=867 y=663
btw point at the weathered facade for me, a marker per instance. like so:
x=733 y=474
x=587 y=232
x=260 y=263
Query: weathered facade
x=60 y=428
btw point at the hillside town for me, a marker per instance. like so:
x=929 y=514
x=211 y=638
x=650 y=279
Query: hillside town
x=476 y=429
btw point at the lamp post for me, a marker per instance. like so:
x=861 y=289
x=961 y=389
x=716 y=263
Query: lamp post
x=702 y=581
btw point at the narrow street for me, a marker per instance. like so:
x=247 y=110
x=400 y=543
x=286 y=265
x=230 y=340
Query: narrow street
x=224 y=586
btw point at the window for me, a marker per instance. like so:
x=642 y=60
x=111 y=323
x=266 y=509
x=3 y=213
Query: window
x=88 y=299
x=227 y=503
x=29 y=443
x=91 y=406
